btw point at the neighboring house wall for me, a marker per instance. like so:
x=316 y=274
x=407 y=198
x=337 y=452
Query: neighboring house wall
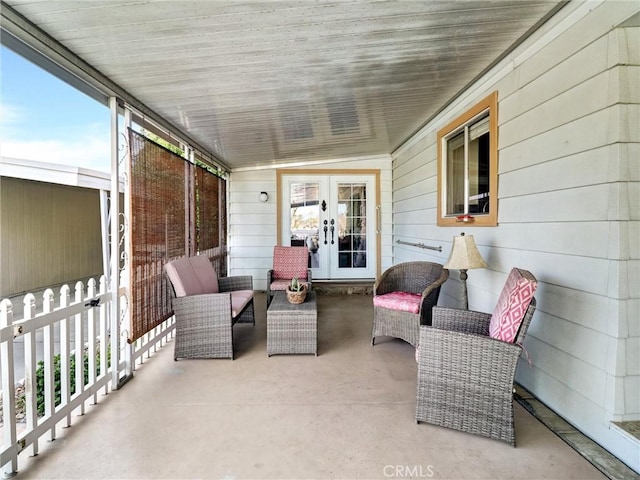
x=568 y=211
x=49 y=233
x=252 y=224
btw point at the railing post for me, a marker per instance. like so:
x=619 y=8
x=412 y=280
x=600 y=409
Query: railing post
x=10 y=468
x=79 y=345
x=104 y=336
x=49 y=383
x=65 y=352
x=30 y=369
x=91 y=336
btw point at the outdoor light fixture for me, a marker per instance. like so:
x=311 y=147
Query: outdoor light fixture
x=465 y=256
x=264 y=197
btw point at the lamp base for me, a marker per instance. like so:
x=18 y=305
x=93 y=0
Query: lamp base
x=463 y=279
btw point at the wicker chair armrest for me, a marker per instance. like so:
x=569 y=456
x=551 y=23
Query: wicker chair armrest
x=460 y=320
x=385 y=284
x=376 y=286
x=472 y=359
x=216 y=307
x=435 y=286
x=430 y=297
x=240 y=282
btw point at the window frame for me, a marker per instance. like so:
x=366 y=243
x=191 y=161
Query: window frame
x=490 y=105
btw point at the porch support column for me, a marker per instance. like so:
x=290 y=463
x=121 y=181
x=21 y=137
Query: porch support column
x=114 y=271
x=127 y=273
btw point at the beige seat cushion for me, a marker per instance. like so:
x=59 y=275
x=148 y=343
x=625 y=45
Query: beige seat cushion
x=239 y=300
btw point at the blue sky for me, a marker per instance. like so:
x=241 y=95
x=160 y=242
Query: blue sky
x=43 y=118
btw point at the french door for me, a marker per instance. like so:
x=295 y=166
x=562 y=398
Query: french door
x=334 y=217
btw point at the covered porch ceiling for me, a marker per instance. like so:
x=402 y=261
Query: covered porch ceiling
x=263 y=83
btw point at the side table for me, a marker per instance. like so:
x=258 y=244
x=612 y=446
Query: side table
x=292 y=328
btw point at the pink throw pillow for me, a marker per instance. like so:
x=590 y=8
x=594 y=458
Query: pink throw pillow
x=206 y=274
x=512 y=305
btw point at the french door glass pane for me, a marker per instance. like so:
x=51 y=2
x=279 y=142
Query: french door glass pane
x=352 y=225
x=305 y=218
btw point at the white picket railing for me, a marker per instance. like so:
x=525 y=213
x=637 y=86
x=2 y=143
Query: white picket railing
x=83 y=321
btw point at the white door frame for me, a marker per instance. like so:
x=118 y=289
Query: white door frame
x=374 y=222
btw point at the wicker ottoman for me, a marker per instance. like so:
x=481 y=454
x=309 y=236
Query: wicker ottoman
x=292 y=329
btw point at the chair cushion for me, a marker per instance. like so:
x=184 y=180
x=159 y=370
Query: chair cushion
x=183 y=277
x=400 y=301
x=239 y=300
x=280 y=284
x=512 y=305
x=290 y=262
x=206 y=274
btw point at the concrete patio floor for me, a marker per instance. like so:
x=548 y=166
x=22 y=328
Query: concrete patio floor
x=348 y=414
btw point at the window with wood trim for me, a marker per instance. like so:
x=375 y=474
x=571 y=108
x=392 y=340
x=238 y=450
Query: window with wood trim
x=468 y=167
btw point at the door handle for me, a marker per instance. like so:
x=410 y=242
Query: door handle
x=332 y=231
x=325 y=228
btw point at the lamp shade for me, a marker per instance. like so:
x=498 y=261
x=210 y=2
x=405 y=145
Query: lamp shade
x=464 y=254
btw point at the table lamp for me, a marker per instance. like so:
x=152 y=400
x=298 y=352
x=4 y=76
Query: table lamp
x=465 y=256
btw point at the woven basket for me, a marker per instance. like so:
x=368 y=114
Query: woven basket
x=297 y=297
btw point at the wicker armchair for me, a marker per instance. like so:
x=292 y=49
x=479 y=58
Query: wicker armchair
x=206 y=308
x=465 y=377
x=403 y=298
x=288 y=262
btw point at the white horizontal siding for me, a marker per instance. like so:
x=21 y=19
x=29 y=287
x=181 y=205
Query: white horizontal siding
x=584 y=239
x=586 y=133
x=584 y=64
x=580 y=169
x=569 y=204
x=583 y=204
x=592 y=95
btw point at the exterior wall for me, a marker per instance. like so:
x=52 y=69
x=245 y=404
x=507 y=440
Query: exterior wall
x=253 y=225
x=50 y=234
x=569 y=211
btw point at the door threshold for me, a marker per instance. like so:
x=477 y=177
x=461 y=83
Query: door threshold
x=343 y=280
x=344 y=287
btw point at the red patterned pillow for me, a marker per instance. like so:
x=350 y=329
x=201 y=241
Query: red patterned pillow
x=399 y=301
x=512 y=305
x=290 y=262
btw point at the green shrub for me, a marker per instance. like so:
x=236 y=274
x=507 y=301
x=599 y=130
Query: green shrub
x=72 y=375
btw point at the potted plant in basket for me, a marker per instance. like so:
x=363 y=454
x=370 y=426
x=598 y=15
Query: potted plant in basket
x=296 y=291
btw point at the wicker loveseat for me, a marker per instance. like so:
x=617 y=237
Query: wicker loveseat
x=206 y=307
x=403 y=298
x=467 y=362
